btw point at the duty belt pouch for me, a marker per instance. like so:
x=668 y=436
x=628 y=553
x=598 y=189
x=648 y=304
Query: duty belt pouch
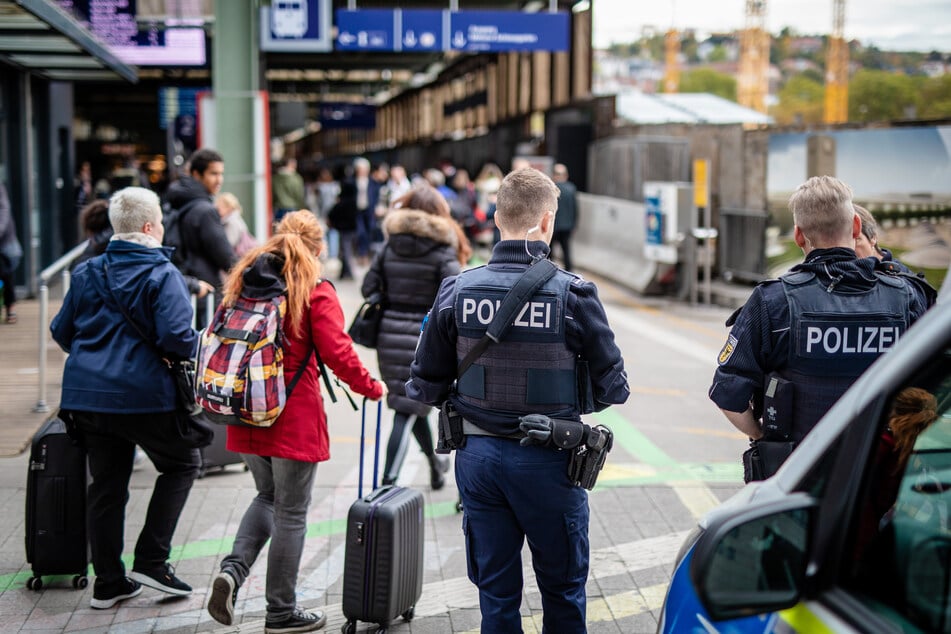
x=764 y=458
x=778 y=403
x=450 y=434
x=589 y=457
x=585 y=391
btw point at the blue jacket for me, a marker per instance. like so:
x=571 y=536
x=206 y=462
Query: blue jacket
x=110 y=368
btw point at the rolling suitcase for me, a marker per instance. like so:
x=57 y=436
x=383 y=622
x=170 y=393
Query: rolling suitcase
x=56 y=506
x=383 y=561
x=216 y=455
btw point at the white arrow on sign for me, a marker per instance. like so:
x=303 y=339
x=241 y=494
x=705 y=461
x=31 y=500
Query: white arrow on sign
x=459 y=40
x=410 y=39
x=346 y=38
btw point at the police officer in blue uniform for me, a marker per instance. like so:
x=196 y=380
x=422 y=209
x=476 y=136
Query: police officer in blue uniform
x=802 y=340
x=558 y=360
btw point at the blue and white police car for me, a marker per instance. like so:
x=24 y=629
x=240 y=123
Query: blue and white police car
x=853 y=534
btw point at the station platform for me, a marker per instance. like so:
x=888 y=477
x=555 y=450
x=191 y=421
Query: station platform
x=637 y=525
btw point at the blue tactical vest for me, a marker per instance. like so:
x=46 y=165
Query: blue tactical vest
x=834 y=336
x=531 y=370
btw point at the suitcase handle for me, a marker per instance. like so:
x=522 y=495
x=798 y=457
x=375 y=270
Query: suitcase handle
x=376 y=446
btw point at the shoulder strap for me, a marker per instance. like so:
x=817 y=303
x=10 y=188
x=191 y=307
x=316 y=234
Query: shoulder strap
x=128 y=318
x=531 y=280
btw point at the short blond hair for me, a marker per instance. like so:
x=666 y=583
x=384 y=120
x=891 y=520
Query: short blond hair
x=230 y=201
x=131 y=208
x=822 y=209
x=524 y=197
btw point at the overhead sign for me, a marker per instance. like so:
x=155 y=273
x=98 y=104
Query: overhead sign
x=420 y=30
x=498 y=31
x=347 y=115
x=296 y=26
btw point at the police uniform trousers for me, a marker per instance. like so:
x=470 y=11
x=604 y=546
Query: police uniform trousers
x=510 y=493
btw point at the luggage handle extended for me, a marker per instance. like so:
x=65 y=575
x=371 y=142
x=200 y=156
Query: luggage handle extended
x=376 y=445
x=209 y=308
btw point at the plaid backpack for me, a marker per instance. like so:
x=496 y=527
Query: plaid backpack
x=240 y=375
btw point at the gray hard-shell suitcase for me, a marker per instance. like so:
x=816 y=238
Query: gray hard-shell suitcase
x=215 y=455
x=56 y=506
x=383 y=562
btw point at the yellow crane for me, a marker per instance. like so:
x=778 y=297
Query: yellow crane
x=753 y=82
x=836 y=108
x=671 y=64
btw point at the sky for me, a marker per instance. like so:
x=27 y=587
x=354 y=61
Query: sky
x=905 y=25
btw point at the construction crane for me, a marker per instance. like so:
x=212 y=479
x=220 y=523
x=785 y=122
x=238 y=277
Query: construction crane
x=753 y=83
x=836 y=108
x=671 y=64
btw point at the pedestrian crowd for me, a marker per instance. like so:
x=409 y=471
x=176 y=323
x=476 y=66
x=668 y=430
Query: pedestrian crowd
x=502 y=359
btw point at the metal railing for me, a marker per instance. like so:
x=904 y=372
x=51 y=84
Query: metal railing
x=60 y=266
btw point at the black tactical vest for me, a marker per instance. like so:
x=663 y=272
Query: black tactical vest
x=834 y=336
x=531 y=370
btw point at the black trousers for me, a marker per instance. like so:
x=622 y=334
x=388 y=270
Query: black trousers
x=563 y=238
x=110 y=441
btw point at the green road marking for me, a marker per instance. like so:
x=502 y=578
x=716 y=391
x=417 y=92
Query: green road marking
x=633 y=441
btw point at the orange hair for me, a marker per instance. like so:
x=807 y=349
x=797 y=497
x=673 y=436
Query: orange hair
x=298 y=241
x=913 y=410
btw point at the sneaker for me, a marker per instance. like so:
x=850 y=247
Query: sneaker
x=224 y=592
x=163 y=578
x=105 y=596
x=298 y=621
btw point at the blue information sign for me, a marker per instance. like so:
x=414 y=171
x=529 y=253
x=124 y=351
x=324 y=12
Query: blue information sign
x=347 y=115
x=296 y=26
x=366 y=30
x=497 y=31
x=420 y=30
x=655 y=220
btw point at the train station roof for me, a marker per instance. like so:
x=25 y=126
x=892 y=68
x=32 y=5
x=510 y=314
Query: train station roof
x=642 y=108
x=40 y=37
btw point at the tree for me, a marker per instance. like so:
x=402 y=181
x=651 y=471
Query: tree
x=935 y=98
x=707 y=80
x=876 y=95
x=800 y=101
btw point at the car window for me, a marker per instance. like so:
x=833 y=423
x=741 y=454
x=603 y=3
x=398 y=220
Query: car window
x=901 y=545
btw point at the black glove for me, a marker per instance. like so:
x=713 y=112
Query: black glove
x=551 y=432
x=537 y=428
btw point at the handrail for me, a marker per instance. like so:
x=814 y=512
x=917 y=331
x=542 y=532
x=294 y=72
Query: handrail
x=59 y=266
x=63 y=262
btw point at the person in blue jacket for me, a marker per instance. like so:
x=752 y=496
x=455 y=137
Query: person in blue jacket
x=512 y=487
x=118 y=392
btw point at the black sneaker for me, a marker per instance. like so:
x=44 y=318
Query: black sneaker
x=161 y=578
x=224 y=591
x=105 y=596
x=299 y=621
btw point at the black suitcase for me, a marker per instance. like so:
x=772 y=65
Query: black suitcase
x=383 y=561
x=215 y=455
x=56 y=506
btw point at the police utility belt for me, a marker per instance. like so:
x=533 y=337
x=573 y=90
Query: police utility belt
x=589 y=446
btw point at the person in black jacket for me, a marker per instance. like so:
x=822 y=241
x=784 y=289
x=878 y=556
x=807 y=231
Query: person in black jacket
x=343 y=218
x=424 y=245
x=207 y=251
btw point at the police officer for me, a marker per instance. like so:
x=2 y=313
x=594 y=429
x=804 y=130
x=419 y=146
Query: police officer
x=510 y=488
x=802 y=340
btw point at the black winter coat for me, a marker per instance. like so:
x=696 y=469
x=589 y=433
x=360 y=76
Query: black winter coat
x=420 y=251
x=207 y=250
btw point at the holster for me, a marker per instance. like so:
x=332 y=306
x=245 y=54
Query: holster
x=764 y=458
x=588 y=458
x=450 y=435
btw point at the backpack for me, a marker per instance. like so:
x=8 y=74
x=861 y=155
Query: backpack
x=173 y=219
x=239 y=379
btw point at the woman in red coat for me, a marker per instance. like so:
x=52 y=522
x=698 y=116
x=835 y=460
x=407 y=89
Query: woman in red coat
x=283 y=458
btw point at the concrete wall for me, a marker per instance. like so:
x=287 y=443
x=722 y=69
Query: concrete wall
x=609 y=241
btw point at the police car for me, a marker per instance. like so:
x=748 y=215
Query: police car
x=853 y=534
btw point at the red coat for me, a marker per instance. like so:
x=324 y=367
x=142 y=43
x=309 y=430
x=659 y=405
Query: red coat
x=300 y=433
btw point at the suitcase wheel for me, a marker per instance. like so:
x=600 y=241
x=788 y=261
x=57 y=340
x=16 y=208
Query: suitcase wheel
x=350 y=627
x=80 y=582
x=410 y=613
x=35 y=583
